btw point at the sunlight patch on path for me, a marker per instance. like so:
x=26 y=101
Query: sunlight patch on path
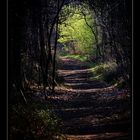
x=104 y=136
x=94 y=90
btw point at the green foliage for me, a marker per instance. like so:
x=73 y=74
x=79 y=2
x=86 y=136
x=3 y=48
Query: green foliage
x=104 y=72
x=76 y=57
x=108 y=73
x=32 y=122
x=75 y=32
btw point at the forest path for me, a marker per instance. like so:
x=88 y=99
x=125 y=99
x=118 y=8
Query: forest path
x=89 y=109
x=77 y=75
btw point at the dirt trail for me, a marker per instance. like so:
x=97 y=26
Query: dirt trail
x=89 y=109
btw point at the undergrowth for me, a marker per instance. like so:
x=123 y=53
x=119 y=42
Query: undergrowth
x=107 y=72
x=33 y=121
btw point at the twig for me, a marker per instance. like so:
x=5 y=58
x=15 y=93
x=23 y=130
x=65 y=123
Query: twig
x=23 y=96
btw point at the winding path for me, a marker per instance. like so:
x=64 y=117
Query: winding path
x=90 y=110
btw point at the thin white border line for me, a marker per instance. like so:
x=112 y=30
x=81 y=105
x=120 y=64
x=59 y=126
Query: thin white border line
x=132 y=73
x=7 y=65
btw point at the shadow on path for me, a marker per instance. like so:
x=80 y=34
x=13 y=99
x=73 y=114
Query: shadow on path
x=90 y=110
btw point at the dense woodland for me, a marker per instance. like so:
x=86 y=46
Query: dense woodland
x=43 y=35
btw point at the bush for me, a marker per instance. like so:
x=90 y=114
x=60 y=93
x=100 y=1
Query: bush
x=105 y=72
x=33 y=123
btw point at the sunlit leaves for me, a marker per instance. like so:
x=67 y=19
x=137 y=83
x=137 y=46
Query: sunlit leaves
x=74 y=28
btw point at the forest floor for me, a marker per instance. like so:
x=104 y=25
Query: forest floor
x=89 y=109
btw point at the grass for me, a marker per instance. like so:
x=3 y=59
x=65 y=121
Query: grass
x=104 y=71
x=76 y=57
x=108 y=72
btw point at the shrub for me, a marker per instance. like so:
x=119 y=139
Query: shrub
x=33 y=123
